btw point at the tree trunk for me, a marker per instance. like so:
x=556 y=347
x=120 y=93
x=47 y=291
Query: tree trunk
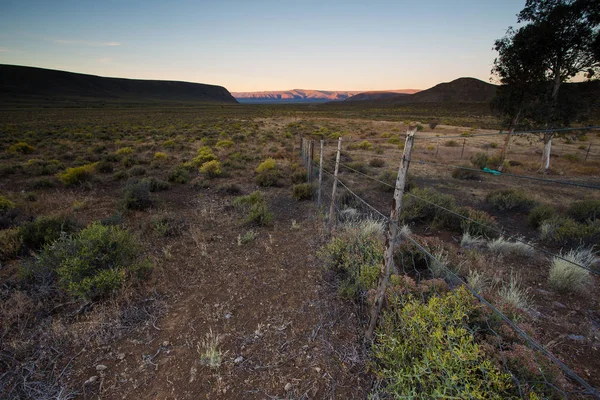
x=546 y=152
x=511 y=129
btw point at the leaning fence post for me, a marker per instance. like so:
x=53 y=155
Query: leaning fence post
x=311 y=155
x=390 y=240
x=302 y=149
x=588 y=152
x=335 y=180
x=320 y=175
x=463 y=149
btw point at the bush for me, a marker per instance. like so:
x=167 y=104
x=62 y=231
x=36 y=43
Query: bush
x=377 y=163
x=224 y=144
x=44 y=230
x=267 y=165
x=157 y=185
x=509 y=200
x=417 y=210
x=137 y=170
x=358 y=166
x=43 y=183
x=179 y=174
x=211 y=169
x=433 y=124
x=229 y=188
x=124 y=151
x=420 y=127
x=494 y=145
x=21 y=147
x=466 y=174
x=302 y=191
x=42 y=167
x=5 y=204
x=539 y=214
x=355 y=253
x=160 y=156
x=255 y=206
x=10 y=243
x=418 y=347
x=564 y=231
x=571 y=157
x=267 y=173
x=136 y=196
x=585 y=210
x=77 y=175
x=568 y=277
x=480 y=160
x=95 y=262
x=451 y=143
x=482 y=223
x=299 y=175
x=204 y=155
x=104 y=167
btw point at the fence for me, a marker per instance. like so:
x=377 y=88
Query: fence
x=417 y=258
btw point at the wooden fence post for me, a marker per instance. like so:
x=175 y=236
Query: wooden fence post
x=335 y=180
x=390 y=240
x=320 y=174
x=309 y=162
x=463 y=148
x=588 y=152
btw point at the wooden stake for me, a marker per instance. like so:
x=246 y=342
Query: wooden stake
x=335 y=180
x=390 y=240
x=320 y=174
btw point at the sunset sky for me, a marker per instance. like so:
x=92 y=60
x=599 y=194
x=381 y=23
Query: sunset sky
x=256 y=45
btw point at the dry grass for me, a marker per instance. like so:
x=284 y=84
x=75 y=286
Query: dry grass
x=506 y=247
x=512 y=294
x=565 y=276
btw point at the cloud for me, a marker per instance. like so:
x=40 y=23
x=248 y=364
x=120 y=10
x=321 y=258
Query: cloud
x=2 y=49
x=86 y=43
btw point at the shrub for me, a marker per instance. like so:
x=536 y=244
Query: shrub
x=299 y=175
x=179 y=174
x=267 y=173
x=137 y=170
x=44 y=230
x=255 y=206
x=10 y=243
x=418 y=345
x=160 y=156
x=358 y=166
x=540 y=213
x=420 y=127
x=96 y=261
x=42 y=167
x=482 y=223
x=77 y=175
x=104 y=167
x=509 y=200
x=136 y=196
x=480 y=160
x=224 y=144
x=267 y=165
x=43 y=183
x=568 y=277
x=157 y=185
x=513 y=295
x=5 y=204
x=124 y=151
x=451 y=143
x=356 y=254
x=387 y=181
x=503 y=246
x=377 y=162
x=417 y=210
x=302 y=191
x=466 y=174
x=21 y=147
x=566 y=231
x=204 y=155
x=229 y=188
x=211 y=169
x=169 y=144
x=585 y=210
x=433 y=124
x=571 y=157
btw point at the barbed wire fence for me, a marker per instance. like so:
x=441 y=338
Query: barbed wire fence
x=423 y=261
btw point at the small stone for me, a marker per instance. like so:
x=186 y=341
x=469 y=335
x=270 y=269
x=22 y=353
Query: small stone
x=577 y=338
x=91 y=380
x=558 y=305
x=317 y=369
x=227 y=316
x=238 y=359
x=166 y=343
x=121 y=356
x=101 y=367
x=288 y=387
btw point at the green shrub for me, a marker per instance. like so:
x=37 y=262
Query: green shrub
x=355 y=253
x=364 y=145
x=5 y=204
x=137 y=170
x=427 y=351
x=21 y=147
x=494 y=145
x=451 y=143
x=229 y=188
x=417 y=210
x=267 y=165
x=480 y=160
x=36 y=166
x=387 y=181
x=482 y=223
x=539 y=214
x=224 y=144
x=44 y=230
x=10 y=243
x=433 y=124
x=420 y=127
x=96 y=261
x=255 y=206
x=160 y=156
x=585 y=210
x=211 y=169
x=302 y=191
x=204 y=155
x=77 y=175
x=136 y=196
x=169 y=144
x=510 y=200
x=377 y=162
x=124 y=151
x=358 y=166
x=564 y=231
x=466 y=174
x=43 y=183
x=299 y=175
x=267 y=173
x=104 y=167
x=157 y=185
x=179 y=174
x=571 y=157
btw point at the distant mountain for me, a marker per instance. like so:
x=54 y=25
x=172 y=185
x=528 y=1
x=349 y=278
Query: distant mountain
x=377 y=95
x=29 y=83
x=300 y=96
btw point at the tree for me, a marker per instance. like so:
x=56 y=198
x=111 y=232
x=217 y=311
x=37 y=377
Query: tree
x=563 y=37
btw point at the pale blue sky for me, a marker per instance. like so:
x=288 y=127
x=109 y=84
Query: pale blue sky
x=262 y=44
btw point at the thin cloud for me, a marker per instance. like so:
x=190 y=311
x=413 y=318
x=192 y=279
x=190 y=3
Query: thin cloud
x=86 y=43
x=3 y=49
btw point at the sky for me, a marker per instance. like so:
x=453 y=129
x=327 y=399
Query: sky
x=255 y=45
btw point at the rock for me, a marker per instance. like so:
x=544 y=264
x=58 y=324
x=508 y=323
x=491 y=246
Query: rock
x=121 y=356
x=287 y=387
x=101 y=367
x=577 y=338
x=558 y=305
x=166 y=343
x=238 y=359
x=91 y=380
x=227 y=316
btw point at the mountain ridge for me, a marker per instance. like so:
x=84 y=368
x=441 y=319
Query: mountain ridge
x=302 y=95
